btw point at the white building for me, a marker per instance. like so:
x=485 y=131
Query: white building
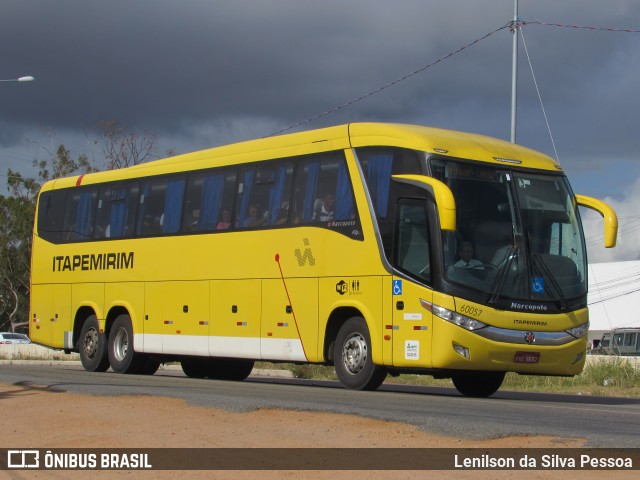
x=614 y=296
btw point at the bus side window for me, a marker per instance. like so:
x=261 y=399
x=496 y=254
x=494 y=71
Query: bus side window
x=320 y=179
x=116 y=211
x=630 y=340
x=80 y=215
x=263 y=195
x=209 y=201
x=51 y=213
x=103 y=227
x=412 y=239
x=160 y=206
x=618 y=339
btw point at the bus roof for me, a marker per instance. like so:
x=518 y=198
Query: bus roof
x=450 y=143
x=435 y=140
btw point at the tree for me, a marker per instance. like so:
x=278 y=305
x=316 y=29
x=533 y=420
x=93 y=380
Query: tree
x=121 y=148
x=16 y=224
x=124 y=148
x=16 y=220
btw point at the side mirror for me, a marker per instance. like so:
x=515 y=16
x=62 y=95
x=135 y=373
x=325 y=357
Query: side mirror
x=610 y=217
x=442 y=195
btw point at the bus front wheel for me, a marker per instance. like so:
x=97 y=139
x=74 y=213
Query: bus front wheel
x=478 y=384
x=92 y=346
x=352 y=357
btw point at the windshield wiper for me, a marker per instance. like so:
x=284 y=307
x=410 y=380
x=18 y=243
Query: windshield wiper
x=501 y=276
x=539 y=262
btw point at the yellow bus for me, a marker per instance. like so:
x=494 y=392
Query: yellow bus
x=376 y=248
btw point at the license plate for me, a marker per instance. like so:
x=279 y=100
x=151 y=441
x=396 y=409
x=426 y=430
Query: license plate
x=526 y=357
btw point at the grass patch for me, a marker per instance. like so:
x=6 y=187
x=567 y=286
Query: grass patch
x=606 y=376
x=609 y=376
x=307 y=371
x=55 y=356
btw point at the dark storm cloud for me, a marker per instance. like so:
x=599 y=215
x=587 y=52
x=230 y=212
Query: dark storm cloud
x=206 y=72
x=159 y=63
x=173 y=66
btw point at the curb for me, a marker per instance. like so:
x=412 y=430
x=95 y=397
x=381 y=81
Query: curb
x=256 y=372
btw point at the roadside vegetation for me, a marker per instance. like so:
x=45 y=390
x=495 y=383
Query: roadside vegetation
x=120 y=147
x=605 y=376
x=602 y=376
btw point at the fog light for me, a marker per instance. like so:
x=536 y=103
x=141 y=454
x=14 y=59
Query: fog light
x=578 y=358
x=462 y=351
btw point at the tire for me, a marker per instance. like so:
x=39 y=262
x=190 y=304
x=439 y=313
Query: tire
x=92 y=346
x=227 y=369
x=122 y=357
x=194 y=367
x=149 y=365
x=352 y=357
x=217 y=368
x=478 y=384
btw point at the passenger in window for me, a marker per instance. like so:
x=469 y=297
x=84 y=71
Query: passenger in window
x=283 y=215
x=151 y=225
x=254 y=219
x=325 y=210
x=225 y=221
x=465 y=253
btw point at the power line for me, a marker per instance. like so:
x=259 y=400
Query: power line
x=583 y=27
x=535 y=82
x=510 y=25
x=395 y=82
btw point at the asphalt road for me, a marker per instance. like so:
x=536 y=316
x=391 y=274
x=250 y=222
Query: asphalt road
x=604 y=421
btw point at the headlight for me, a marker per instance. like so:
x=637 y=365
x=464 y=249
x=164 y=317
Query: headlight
x=579 y=331
x=457 y=319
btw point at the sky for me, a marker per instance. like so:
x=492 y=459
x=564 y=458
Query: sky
x=203 y=73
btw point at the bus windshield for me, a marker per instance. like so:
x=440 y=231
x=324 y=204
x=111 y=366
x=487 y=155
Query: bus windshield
x=518 y=234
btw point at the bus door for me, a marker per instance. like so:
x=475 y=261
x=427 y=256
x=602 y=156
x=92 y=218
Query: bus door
x=412 y=326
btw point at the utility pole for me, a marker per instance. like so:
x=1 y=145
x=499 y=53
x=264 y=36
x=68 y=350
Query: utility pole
x=514 y=71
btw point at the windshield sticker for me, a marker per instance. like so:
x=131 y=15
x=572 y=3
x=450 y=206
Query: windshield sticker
x=537 y=285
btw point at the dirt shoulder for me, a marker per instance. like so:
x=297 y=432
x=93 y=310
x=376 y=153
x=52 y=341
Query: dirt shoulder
x=40 y=418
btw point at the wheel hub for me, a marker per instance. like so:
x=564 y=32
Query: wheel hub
x=120 y=345
x=90 y=344
x=354 y=353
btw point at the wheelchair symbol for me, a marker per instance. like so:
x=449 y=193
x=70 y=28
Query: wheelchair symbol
x=397 y=287
x=537 y=285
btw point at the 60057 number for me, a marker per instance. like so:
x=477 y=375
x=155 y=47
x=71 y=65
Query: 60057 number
x=470 y=310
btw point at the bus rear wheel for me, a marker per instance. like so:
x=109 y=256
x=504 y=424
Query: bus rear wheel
x=122 y=357
x=92 y=346
x=228 y=369
x=217 y=368
x=352 y=357
x=478 y=384
x=193 y=367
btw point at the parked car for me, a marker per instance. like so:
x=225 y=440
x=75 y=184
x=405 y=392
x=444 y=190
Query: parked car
x=13 y=338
